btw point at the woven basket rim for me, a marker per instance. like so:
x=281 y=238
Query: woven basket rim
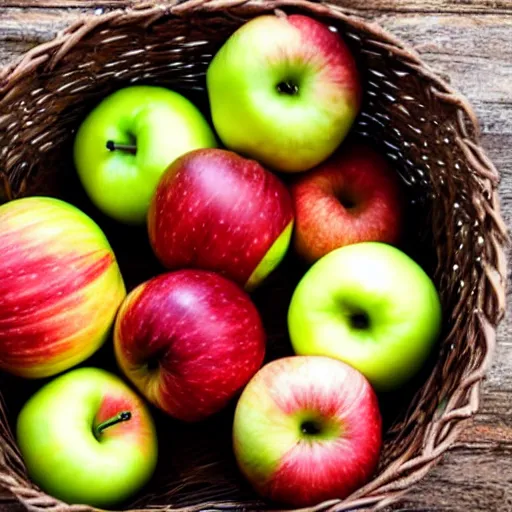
x=444 y=429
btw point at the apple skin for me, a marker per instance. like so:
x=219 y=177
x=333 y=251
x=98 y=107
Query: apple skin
x=352 y=197
x=369 y=305
x=64 y=456
x=163 y=125
x=307 y=429
x=60 y=287
x=189 y=341
x=216 y=210
x=291 y=131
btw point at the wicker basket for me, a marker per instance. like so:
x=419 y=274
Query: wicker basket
x=455 y=230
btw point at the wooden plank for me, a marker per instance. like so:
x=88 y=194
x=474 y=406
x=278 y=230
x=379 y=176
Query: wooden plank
x=36 y=25
x=416 y=6
x=10 y=50
x=500 y=376
x=103 y=4
x=476 y=475
x=474 y=36
x=493 y=426
x=468 y=480
x=474 y=51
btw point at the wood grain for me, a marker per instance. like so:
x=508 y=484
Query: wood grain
x=392 y=6
x=471 y=41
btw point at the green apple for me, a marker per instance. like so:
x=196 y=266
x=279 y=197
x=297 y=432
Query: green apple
x=126 y=143
x=284 y=90
x=86 y=437
x=371 y=306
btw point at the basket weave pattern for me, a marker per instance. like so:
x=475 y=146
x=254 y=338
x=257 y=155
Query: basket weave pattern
x=424 y=126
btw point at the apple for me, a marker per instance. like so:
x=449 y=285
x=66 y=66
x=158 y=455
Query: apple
x=60 y=287
x=87 y=438
x=307 y=429
x=189 y=341
x=370 y=305
x=127 y=141
x=216 y=210
x=284 y=90
x=352 y=197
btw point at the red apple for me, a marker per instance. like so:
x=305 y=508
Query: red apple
x=307 y=429
x=60 y=287
x=352 y=197
x=189 y=341
x=216 y=210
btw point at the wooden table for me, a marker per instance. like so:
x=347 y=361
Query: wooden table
x=471 y=41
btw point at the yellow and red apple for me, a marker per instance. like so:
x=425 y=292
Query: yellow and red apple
x=284 y=90
x=307 y=429
x=216 y=210
x=60 y=287
x=352 y=197
x=189 y=341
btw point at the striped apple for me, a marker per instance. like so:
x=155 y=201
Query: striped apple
x=307 y=429
x=60 y=287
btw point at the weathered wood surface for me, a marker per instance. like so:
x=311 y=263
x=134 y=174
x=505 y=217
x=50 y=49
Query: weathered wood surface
x=471 y=41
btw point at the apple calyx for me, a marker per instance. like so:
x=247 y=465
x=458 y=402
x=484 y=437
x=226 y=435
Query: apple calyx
x=128 y=148
x=359 y=320
x=310 y=427
x=315 y=427
x=288 y=87
x=118 y=418
x=347 y=200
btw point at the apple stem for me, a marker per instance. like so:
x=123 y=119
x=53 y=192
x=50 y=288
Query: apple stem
x=129 y=148
x=118 y=418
